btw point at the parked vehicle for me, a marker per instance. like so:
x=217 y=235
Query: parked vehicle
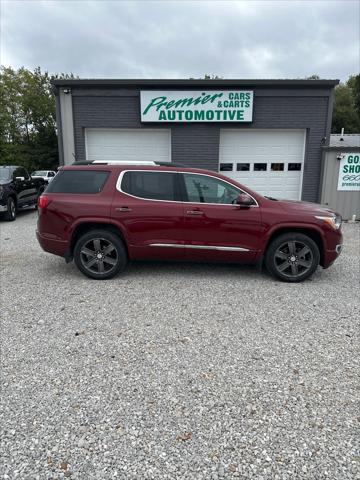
x=46 y=175
x=102 y=215
x=18 y=190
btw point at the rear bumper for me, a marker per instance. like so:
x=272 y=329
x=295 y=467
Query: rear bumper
x=52 y=245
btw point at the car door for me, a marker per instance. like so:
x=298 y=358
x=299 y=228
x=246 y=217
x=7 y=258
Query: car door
x=24 y=186
x=147 y=205
x=215 y=227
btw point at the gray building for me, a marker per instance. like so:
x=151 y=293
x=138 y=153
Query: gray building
x=341 y=175
x=266 y=134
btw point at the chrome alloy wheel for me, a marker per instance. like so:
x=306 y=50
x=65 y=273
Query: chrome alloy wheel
x=99 y=256
x=293 y=258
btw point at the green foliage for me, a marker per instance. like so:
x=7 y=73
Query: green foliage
x=212 y=77
x=354 y=84
x=27 y=119
x=207 y=77
x=346 y=112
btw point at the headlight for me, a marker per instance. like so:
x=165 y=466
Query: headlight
x=334 y=221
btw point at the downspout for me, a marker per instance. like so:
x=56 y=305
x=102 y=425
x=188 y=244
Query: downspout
x=326 y=143
x=58 y=125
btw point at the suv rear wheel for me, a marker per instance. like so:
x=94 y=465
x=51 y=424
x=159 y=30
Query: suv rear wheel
x=100 y=254
x=292 y=257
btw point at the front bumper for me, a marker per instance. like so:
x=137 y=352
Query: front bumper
x=333 y=243
x=3 y=208
x=331 y=255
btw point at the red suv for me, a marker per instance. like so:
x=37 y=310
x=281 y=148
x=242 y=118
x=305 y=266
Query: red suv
x=104 y=214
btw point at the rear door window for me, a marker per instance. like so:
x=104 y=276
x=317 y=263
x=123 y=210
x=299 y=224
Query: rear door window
x=151 y=185
x=78 y=181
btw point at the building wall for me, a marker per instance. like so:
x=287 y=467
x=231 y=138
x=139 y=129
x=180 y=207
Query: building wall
x=198 y=144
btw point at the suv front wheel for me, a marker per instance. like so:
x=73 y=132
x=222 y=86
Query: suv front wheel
x=292 y=257
x=100 y=254
x=10 y=214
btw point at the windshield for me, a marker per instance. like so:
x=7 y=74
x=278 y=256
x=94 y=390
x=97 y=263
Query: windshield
x=39 y=173
x=4 y=174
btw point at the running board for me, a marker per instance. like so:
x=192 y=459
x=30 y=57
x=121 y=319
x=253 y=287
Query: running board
x=201 y=247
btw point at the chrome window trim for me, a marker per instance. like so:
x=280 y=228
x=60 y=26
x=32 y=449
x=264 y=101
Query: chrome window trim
x=119 y=180
x=201 y=247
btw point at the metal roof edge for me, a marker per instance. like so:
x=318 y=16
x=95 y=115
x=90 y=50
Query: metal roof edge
x=199 y=82
x=341 y=148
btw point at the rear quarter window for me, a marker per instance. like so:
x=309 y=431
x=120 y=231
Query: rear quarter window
x=78 y=181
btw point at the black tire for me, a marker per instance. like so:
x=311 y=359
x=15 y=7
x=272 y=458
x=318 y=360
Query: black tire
x=10 y=214
x=100 y=254
x=292 y=257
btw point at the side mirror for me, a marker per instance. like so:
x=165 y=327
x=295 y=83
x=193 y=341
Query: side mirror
x=244 y=200
x=20 y=179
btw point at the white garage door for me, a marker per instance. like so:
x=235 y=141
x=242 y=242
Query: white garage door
x=271 y=162
x=128 y=145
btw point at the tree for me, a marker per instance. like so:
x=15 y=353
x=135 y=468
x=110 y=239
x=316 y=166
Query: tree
x=313 y=77
x=208 y=77
x=354 y=84
x=212 y=77
x=346 y=112
x=27 y=119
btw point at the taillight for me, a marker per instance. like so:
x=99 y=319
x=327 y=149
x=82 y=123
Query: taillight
x=43 y=202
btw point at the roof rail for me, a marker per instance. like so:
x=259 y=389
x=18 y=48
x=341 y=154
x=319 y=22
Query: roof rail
x=113 y=162
x=85 y=162
x=120 y=162
x=172 y=164
x=133 y=162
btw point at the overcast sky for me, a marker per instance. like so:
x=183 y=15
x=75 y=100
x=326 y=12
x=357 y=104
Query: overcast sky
x=181 y=39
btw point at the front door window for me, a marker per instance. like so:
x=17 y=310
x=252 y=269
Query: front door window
x=206 y=189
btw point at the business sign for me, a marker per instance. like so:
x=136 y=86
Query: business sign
x=196 y=106
x=349 y=172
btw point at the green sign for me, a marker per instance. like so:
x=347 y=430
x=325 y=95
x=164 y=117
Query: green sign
x=349 y=172
x=196 y=106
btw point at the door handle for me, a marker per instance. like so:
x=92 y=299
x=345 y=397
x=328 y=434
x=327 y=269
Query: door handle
x=194 y=212
x=123 y=209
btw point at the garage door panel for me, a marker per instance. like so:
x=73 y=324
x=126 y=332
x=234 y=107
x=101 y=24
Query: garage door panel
x=236 y=158
x=259 y=146
x=263 y=150
x=128 y=145
x=265 y=137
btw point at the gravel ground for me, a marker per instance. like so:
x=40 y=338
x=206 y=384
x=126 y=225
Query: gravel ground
x=177 y=371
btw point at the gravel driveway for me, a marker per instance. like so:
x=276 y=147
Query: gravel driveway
x=177 y=371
